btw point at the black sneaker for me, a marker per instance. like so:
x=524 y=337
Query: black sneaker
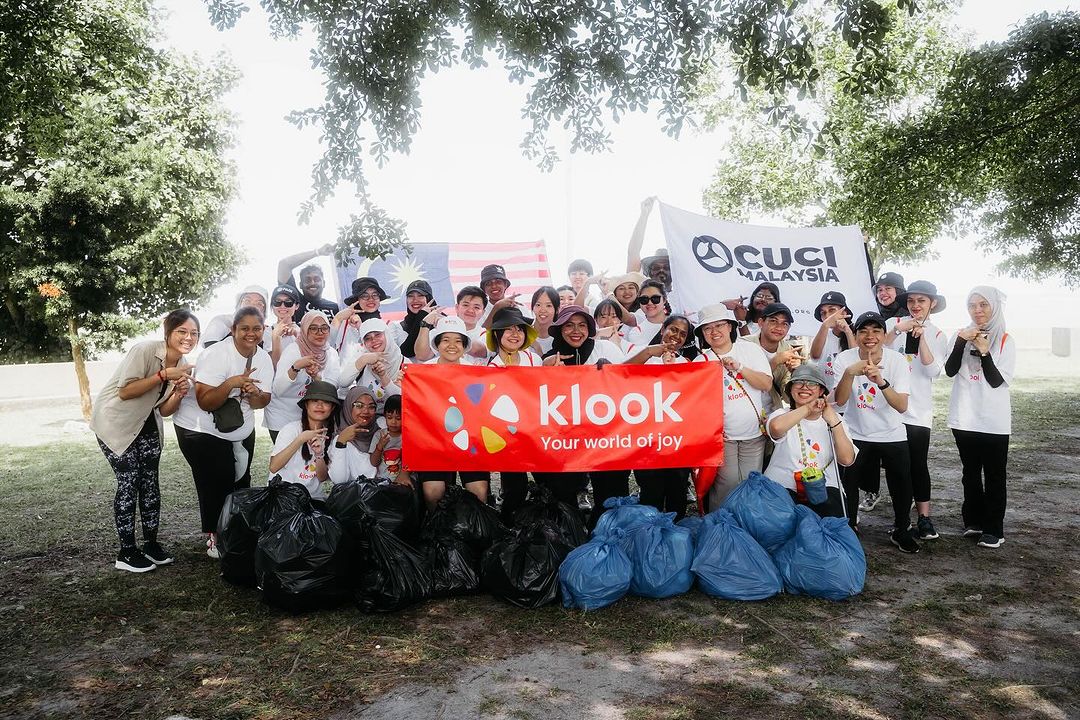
x=973 y=532
x=157 y=554
x=990 y=541
x=132 y=560
x=903 y=540
x=926 y=530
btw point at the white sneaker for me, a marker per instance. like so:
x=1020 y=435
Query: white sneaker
x=869 y=501
x=211 y=547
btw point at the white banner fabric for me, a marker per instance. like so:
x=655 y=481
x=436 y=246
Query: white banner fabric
x=714 y=260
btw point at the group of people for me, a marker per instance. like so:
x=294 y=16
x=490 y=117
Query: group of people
x=821 y=418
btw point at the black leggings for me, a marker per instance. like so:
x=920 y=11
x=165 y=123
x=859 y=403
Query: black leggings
x=606 y=484
x=983 y=455
x=564 y=486
x=918 y=442
x=664 y=489
x=872 y=455
x=513 y=487
x=137 y=484
x=214 y=468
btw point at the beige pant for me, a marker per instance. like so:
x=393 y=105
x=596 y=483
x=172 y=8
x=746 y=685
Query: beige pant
x=741 y=457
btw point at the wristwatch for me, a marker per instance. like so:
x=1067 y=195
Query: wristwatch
x=426 y=324
x=884 y=384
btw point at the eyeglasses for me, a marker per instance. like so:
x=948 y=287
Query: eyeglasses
x=804 y=385
x=284 y=303
x=319 y=329
x=369 y=296
x=187 y=334
x=765 y=296
x=653 y=299
x=363 y=406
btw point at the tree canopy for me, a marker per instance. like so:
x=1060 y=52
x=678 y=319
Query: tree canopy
x=996 y=151
x=113 y=178
x=585 y=64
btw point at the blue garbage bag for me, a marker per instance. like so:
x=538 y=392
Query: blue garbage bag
x=596 y=574
x=693 y=523
x=624 y=513
x=660 y=554
x=764 y=509
x=730 y=564
x=824 y=558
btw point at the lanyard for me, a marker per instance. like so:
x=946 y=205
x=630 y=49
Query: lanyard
x=802 y=449
x=746 y=394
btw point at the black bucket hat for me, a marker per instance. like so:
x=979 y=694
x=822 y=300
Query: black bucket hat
x=923 y=287
x=360 y=284
x=891 y=279
x=868 y=318
x=493 y=272
x=831 y=298
x=420 y=286
x=320 y=390
x=509 y=317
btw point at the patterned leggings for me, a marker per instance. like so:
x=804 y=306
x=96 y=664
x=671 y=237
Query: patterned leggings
x=137 y=482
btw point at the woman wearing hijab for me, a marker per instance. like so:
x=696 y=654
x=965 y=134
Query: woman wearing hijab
x=982 y=364
x=375 y=362
x=299 y=454
x=350 y=455
x=283 y=303
x=419 y=301
x=149 y=385
x=545 y=305
x=309 y=358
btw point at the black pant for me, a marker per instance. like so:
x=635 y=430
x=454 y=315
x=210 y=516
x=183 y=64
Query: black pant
x=137 y=484
x=664 y=489
x=872 y=455
x=213 y=467
x=832 y=507
x=918 y=442
x=983 y=455
x=513 y=488
x=564 y=486
x=607 y=484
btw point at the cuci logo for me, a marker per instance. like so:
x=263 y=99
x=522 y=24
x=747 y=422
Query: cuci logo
x=712 y=254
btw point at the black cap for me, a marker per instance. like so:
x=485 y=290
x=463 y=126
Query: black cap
x=868 y=318
x=360 y=284
x=891 y=279
x=777 y=309
x=580 y=265
x=286 y=290
x=420 y=286
x=493 y=272
x=922 y=287
x=831 y=298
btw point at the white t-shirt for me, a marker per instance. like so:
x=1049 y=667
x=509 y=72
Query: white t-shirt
x=297 y=470
x=974 y=405
x=286 y=393
x=526 y=358
x=828 y=355
x=787 y=457
x=742 y=405
x=349 y=463
x=268 y=340
x=660 y=361
x=605 y=350
x=644 y=332
x=867 y=413
x=217 y=363
x=349 y=376
x=920 y=410
x=544 y=344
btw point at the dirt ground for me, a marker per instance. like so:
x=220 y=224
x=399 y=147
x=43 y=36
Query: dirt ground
x=954 y=632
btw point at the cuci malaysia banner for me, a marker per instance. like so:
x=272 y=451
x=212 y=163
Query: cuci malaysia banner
x=562 y=419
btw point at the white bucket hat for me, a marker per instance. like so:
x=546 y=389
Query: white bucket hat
x=449 y=325
x=715 y=313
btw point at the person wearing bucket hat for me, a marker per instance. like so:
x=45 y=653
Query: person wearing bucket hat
x=747 y=380
x=219 y=326
x=774 y=323
x=362 y=304
x=834 y=335
x=283 y=303
x=873 y=386
x=375 y=362
x=812 y=443
x=887 y=289
x=419 y=301
x=494 y=283
x=310 y=358
x=925 y=347
x=509 y=339
x=982 y=363
x=299 y=454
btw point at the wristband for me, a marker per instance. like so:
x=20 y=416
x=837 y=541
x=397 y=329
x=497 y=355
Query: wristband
x=831 y=427
x=161 y=375
x=885 y=385
x=294 y=369
x=426 y=324
x=340 y=445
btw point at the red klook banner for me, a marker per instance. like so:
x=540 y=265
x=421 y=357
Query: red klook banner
x=561 y=419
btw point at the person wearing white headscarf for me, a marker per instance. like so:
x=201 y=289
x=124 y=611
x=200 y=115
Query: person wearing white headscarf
x=375 y=363
x=982 y=364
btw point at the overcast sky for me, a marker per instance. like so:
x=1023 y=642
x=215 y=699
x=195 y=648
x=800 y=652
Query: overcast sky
x=465 y=178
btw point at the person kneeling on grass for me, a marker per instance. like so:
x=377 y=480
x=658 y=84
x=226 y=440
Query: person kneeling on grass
x=299 y=454
x=811 y=441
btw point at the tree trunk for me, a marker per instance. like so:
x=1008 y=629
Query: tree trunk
x=80 y=367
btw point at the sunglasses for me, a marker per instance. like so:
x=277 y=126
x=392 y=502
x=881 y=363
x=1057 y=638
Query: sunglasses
x=653 y=299
x=284 y=303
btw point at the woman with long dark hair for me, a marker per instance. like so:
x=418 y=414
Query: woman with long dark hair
x=299 y=454
x=149 y=384
x=545 y=306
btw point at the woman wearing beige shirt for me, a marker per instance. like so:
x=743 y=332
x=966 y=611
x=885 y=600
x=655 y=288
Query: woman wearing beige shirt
x=147 y=386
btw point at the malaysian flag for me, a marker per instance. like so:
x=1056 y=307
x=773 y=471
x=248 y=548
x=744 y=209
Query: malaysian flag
x=449 y=267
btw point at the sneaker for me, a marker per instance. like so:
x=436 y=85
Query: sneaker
x=990 y=541
x=211 y=547
x=869 y=501
x=157 y=554
x=903 y=540
x=973 y=532
x=926 y=530
x=132 y=560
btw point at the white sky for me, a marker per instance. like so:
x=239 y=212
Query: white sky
x=465 y=178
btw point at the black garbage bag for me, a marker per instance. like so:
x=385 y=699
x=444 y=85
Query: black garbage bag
x=302 y=562
x=391 y=574
x=453 y=565
x=523 y=568
x=394 y=506
x=245 y=515
x=461 y=514
x=543 y=505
